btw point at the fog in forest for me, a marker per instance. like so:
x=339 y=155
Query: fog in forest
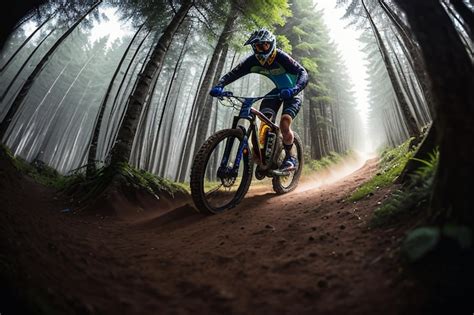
x=96 y=67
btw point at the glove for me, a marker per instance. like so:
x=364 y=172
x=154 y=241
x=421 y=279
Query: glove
x=216 y=91
x=286 y=94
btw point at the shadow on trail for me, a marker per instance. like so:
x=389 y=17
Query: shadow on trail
x=173 y=219
x=253 y=201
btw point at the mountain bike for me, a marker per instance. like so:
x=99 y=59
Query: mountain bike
x=222 y=169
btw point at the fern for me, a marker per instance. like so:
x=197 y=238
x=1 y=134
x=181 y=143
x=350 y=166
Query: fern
x=406 y=200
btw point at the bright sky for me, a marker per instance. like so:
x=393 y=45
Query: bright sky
x=350 y=47
x=113 y=27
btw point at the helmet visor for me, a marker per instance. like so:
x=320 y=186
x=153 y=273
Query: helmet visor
x=262 y=47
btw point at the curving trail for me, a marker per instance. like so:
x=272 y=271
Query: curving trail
x=307 y=252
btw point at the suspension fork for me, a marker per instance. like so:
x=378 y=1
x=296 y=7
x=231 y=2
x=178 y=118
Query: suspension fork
x=242 y=146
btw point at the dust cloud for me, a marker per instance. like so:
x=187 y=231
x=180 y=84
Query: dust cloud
x=334 y=173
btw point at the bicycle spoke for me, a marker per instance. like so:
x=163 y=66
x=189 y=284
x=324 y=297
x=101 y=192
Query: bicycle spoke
x=223 y=181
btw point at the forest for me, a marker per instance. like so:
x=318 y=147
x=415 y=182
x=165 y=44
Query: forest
x=106 y=120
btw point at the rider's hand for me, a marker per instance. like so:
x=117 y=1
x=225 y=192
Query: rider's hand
x=286 y=94
x=217 y=91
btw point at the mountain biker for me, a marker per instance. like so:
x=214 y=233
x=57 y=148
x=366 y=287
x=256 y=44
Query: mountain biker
x=289 y=77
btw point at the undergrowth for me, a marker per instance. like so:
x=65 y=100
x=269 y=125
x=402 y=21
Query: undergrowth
x=76 y=182
x=88 y=187
x=37 y=170
x=412 y=196
x=392 y=163
x=312 y=166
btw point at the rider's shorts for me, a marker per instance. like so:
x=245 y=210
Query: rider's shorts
x=270 y=107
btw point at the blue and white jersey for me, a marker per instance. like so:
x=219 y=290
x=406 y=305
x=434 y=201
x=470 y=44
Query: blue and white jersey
x=281 y=69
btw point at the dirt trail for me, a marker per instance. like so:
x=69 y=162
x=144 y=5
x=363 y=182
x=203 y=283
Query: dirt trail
x=306 y=252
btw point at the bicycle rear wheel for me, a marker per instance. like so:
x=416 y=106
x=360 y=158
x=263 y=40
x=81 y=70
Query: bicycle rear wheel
x=285 y=184
x=217 y=185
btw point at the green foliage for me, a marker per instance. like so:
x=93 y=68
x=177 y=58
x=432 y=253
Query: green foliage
x=145 y=180
x=38 y=170
x=309 y=64
x=299 y=31
x=391 y=165
x=263 y=13
x=409 y=198
x=312 y=166
x=424 y=240
x=85 y=188
x=267 y=13
x=419 y=242
x=284 y=43
x=78 y=184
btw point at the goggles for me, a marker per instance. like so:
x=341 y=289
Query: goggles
x=262 y=46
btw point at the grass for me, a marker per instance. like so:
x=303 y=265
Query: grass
x=312 y=166
x=392 y=163
x=413 y=196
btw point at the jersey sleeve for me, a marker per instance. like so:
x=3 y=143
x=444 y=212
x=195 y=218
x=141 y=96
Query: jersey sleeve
x=293 y=67
x=239 y=71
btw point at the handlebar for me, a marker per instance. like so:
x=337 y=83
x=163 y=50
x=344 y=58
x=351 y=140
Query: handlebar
x=242 y=99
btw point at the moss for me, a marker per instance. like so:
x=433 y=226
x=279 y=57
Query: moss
x=85 y=188
x=392 y=163
x=77 y=183
x=37 y=170
x=414 y=196
x=149 y=181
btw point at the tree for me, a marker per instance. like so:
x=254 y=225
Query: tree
x=123 y=145
x=29 y=82
x=450 y=69
x=239 y=13
x=96 y=131
x=327 y=98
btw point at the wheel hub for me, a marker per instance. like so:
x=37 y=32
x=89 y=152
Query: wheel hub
x=228 y=176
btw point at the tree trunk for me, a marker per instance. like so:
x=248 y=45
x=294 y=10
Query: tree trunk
x=110 y=131
x=170 y=143
x=210 y=100
x=5 y=65
x=65 y=152
x=417 y=62
x=410 y=120
x=466 y=14
x=15 y=13
x=165 y=112
x=12 y=81
x=190 y=131
x=98 y=123
x=175 y=71
x=404 y=85
x=123 y=146
x=450 y=69
x=316 y=148
x=417 y=81
x=203 y=94
x=29 y=82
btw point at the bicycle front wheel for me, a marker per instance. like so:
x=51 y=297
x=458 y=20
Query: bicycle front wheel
x=217 y=184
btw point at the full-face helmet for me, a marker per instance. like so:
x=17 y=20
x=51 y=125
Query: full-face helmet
x=263 y=44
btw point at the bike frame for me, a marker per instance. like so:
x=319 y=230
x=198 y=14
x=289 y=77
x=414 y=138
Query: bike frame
x=247 y=112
